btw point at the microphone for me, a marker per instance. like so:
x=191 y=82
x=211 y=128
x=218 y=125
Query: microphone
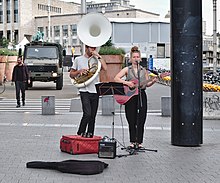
x=137 y=61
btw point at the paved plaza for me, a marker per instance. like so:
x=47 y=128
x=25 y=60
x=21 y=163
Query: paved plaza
x=34 y=137
x=27 y=135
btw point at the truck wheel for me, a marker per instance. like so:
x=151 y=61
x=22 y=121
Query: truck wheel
x=59 y=83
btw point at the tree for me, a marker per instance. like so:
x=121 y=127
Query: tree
x=108 y=43
x=4 y=42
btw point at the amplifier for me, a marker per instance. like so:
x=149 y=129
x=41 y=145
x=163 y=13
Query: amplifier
x=107 y=148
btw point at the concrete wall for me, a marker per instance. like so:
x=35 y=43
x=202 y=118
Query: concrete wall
x=211 y=105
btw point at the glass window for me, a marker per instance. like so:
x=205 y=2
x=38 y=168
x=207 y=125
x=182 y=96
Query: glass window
x=160 y=50
x=46 y=52
x=46 y=31
x=122 y=32
x=65 y=30
x=154 y=33
x=74 y=42
x=164 y=31
x=140 y=32
x=15 y=11
x=41 y=29
x=1 y=16
x=1 y=12
x=8 y=4
x=57 y=31
x=73 y=30
x=15 y=16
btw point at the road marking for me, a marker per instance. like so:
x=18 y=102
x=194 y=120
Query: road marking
x=97 y=126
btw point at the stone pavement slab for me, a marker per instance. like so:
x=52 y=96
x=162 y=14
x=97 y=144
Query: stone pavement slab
x=31 y=136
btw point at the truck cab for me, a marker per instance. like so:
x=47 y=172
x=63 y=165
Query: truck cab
x=45 y=62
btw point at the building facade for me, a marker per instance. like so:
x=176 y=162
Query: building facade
x=58 y=21
x=63 y=28
x=17 y=17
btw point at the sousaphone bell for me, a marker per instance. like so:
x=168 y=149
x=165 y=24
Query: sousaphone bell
x=93 y=30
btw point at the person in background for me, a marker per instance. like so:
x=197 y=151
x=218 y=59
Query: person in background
x=21 y=77
x=88 y=95
x=136 y=120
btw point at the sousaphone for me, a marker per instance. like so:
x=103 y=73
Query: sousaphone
x=93 y=30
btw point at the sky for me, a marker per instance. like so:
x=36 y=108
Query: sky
x=163 y=6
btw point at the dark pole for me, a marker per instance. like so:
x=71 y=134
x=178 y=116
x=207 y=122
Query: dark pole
x=214 y=37
x=186 y=69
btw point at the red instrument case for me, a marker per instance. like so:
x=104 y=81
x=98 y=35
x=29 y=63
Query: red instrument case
x=75 y=144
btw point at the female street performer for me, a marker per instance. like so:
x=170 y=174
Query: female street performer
x=135 y=109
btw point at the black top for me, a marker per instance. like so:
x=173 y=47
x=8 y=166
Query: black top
x=20 y=73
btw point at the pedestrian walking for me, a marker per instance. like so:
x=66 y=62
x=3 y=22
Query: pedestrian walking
x=21 y=77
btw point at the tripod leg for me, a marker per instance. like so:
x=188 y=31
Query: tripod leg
x=113 y=124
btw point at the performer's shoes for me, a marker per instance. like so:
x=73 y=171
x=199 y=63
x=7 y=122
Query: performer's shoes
x=86 y=135
x=89 y=135
x=18 y=105
x=131 y=146
x=140 y=146
x=83 y=134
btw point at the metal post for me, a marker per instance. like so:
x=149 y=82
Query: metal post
x=214 y=37
x=186 y=70
x=83 y=11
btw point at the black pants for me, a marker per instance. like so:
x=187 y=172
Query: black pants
x=90 y=102
x=136 y=124
x=20 y=88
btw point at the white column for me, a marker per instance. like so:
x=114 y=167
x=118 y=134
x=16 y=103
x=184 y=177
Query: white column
x=49 y=21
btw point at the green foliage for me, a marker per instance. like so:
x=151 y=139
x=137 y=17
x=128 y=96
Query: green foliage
x=7 y=52
x=108 y=43
x=4 y=42
x=111 y=50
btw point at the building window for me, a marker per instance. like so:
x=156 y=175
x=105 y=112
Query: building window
x=43 y=7
x=1 y=17
x=73 y=30
x=16 y=15
x=1 y=12
x=46 y=33
x=8 y=4
x=41 y=29
x=65 y=30
x=160 y=50
x=74 y=42
x=57 y=31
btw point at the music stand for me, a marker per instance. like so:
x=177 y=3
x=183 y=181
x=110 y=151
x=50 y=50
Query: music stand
x=110 y=88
